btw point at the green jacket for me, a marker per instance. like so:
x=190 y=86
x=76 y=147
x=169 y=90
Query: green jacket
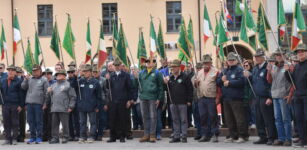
x=151 y=85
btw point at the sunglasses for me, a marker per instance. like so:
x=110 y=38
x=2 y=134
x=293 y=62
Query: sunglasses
x=70 y=72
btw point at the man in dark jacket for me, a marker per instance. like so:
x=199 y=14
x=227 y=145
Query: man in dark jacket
x=265 y=121
x=120 y=87
x=181 y=95
x=12 y=104
x=88 y=104
x=299 y=76
x=231 y=80
x=22 y=113
x=74 y=124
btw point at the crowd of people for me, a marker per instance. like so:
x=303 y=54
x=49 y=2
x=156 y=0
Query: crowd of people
x=269 y=93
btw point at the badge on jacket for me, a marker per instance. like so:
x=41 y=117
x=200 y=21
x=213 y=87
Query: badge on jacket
x=62 y=88
x=91 y=86
x=233 y=76
x=82 y=85
x=179 y=80
x=39 y=81
x=152 y=74
x=261 y=74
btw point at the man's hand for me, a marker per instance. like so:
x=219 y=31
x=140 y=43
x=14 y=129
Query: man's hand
x=128 y=104
x=136 y=74
x=19 y=109
x=166 y=79
x=189 y=104
x=287 y=67
x=288 y=99
x=44 y=106
x=107 y=76
x=96 y=110
x=49 y=89
x=105 y=107
x=246 y=74
x=27 y=77
x=224 y=78
x=269 y=67
x=226 y=83
x=69 y=110
x=157 y=103
x=268 y=102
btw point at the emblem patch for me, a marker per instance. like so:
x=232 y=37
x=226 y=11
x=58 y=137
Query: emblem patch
x=261 y=74
x=233 y=76
x=179 y=80
x=91 y=86
x=82 y=85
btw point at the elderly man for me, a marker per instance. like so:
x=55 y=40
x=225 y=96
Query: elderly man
x=88 y=104
x=265 y=121
x=11 y=96
x=36 y=102
x=231 y=80
x=300 y=95
x=181 y=95
x=62 y=98
x=209 y=97
x=22 y=113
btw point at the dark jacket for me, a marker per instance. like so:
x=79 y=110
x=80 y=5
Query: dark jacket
x=259 y=81
x=299 y=77
x=181 y=89
x=12 y=94
x=90 y=95
x=235 y=89
x=121 y=87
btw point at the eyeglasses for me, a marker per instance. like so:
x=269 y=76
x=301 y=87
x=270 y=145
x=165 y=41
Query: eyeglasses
x=246 y=65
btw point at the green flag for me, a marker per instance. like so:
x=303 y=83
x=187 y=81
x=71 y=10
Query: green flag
x=252 y=41
x=115 y=35
x=239 y=7
x=28 y=60
x=222 y=34
x=37 y=50
x=262 y=27
x=121 y=47
x=243 y=31
x=88 y=54
x=69 y=39
x=249 y=21
x=281 y=19
x=221 y=53
x=142 y=54
x=160 y=41
x=191 y=35
x=216 y=32
x=183 y=41
x=54 y=44
x=182 y=57
x=3 y=43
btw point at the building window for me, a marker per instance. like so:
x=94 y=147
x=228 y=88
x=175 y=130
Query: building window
x=236 y=19
x=173 y=16
x=109 y=10
x=45 y=19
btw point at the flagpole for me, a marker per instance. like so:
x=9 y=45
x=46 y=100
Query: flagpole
x=22 y=47
x=73 y=50
x=278 y=46
x=40 y=46
x=236 y=51
x=59 y=40
x=7 y=60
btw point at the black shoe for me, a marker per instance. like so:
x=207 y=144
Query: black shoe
x=98 y=138
x=197 y=137
x=299 y=144
x=261 y=141
x=129 y=137
x=122 y=140
x=6 y=142
x=71 y=139
x=270 y=142
x=21 y=140
x=184 y=140
x=76 y=139
x=174 y=140
x=54 y=141
x=204 y=139
x=64 y=140
x=111 y=140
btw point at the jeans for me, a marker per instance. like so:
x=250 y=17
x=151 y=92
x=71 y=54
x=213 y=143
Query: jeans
x=283 y=119
x=74 y=124
x=101 y=122
x=149 y=114
x=196 y=118
x=180 y=120
x=35 y=120
x=159 y=122
x=208 y=117
x=83 y=124
x=301 y=118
